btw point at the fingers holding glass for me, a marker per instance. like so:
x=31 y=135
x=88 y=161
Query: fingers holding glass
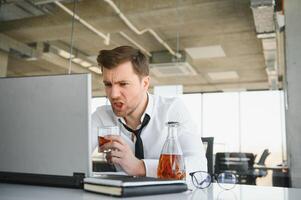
x=102 y=134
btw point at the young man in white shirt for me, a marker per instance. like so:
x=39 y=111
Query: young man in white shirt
x=142 y=117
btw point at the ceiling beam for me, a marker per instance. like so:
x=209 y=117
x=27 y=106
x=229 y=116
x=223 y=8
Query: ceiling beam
x=40 y=2
x=51 y=56
x=112 y=24
x=7 y=43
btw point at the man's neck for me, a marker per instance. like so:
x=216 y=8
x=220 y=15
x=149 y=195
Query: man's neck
x=133 y=120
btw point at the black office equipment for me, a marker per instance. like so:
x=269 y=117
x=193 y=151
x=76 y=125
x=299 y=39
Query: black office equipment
x=102 y=166
x=208 y=143
x=281 y=177
x=240 y=164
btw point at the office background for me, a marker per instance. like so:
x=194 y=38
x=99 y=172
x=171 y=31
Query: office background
x=240 y=46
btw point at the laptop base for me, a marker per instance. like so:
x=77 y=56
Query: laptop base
x=75 y=181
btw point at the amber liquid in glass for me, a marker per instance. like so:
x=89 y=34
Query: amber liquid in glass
x=170 y=167
x=102 y=141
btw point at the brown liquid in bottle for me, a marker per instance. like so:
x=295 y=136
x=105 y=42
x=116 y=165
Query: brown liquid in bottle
x=170 y=167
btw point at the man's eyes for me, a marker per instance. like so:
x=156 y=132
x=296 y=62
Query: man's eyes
x=123 y=84
x=107 y=84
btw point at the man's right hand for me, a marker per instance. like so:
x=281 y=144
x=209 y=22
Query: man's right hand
x=122 y=155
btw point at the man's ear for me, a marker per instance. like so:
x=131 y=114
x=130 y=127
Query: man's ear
x=146 y=82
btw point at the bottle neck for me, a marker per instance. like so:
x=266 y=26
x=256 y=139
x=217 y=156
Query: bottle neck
x=172 y=132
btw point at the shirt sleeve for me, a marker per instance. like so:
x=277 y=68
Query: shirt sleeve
x=151 y=167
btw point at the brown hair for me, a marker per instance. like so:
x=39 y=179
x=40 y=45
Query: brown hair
x=110 y=59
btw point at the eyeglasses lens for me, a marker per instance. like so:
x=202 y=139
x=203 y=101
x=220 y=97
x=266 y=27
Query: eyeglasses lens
x=201 y=179
x=226 y=180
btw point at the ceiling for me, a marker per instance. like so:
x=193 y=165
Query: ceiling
x=217 y=38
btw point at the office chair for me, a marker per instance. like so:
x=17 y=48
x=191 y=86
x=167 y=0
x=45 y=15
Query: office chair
x=261 y=172
x=208 y=143
x=240 y=164
x=263 y=157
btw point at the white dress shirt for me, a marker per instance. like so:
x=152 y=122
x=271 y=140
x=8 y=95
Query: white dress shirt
x=161 y=110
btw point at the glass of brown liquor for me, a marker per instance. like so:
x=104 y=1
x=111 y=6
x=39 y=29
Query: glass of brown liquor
x=105 y=131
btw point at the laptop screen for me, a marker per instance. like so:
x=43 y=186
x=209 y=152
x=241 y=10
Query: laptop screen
x=45 y=125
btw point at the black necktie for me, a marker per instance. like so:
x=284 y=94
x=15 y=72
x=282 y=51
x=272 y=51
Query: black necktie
x=139 y=144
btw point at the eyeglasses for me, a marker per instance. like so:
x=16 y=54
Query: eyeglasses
x=225 y=180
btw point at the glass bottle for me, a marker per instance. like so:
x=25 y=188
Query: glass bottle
x=171 y=163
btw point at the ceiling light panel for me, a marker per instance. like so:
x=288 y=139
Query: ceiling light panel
x=77 y=60
x=96 y=70
x=85 y=64
x=172 y=69
x=215 y=76
x=65 y=54
x=215 y=51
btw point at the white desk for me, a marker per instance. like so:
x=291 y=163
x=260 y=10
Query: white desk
x=240 y=192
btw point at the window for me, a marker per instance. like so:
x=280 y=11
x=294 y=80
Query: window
x=242 y=121
x=238 y=121
x=221 y=119
x=262 y=123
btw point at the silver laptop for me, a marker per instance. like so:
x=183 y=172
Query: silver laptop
x=45 y=129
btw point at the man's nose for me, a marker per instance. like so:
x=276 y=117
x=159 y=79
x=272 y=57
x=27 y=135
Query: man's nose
x=115 y=92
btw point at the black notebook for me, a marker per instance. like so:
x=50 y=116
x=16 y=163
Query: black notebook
x=125 y=186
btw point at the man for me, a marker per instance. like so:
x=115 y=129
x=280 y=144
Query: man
x=142 y=117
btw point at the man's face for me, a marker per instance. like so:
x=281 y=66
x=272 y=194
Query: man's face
x=124 y=88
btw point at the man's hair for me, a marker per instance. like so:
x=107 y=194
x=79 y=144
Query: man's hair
x=110 y=59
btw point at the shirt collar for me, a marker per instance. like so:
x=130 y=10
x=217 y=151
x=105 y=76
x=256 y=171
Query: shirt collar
x=149 y=109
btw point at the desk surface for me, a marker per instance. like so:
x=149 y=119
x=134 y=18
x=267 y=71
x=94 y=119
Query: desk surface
x=242 y=192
